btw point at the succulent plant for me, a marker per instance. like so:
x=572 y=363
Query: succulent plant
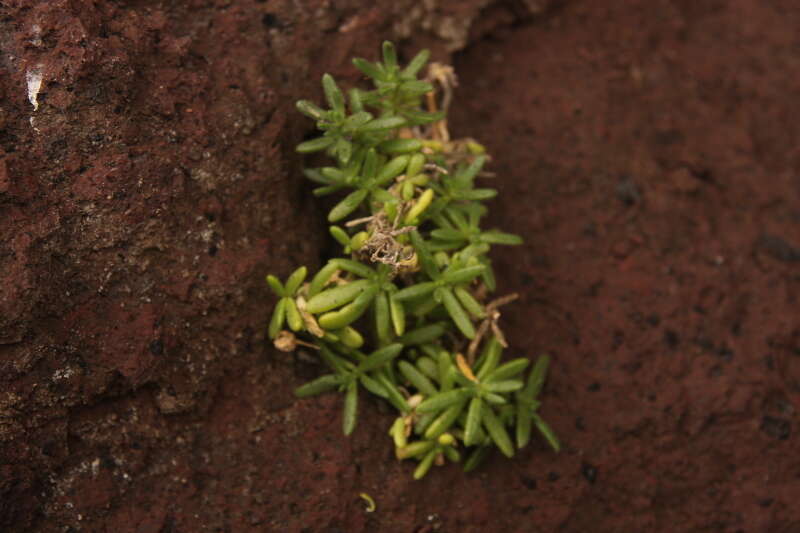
x=411 y=293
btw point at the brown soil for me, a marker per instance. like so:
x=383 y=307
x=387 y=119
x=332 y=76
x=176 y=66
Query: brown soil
x=648 y=152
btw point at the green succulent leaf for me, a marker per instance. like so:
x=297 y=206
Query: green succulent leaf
x=425 y=465
x=321 y=278
x=445 y=420
x=325 y=191
x=547 y=433
x=340 y=235
x=350 y=312
x=371 y=70
x=452 y=454
x=423 y=334
x=509 y=385
x=498 y=237
x=425 y=257
x=472 y=306
x=508 y=370
x=447 y=371
x=276 y=286
x=320 y=385
x=373 y=386
x=383 y=124
x=336 y=297
x=457 y=313
x=358 y=121
x=350 y=415
x=415 y=291
x=523 y=426
x=417 y=379
x=497 y=431
x=295 y=280
x=423 y=421
x=393 y=394
x=428 y=367
x=447 y=234
x=415 y=449
x=489 y=359
x=478 y=194
x=278 y=318
x=315 y=145
x=398 y=315
x=400 y=146
x=356 y=101
x=349 y=204
x=416 y=87
x=333 y=94
x=463 y=275
x=336 y=363
x=391 y=170
x=293 y=317
x=536 y=379
x=354 y=267
x=468 y=174
x=343 y=150
x=389 y=55
x=310 y=109
x=350 y=337
x=383 y=321
x=442 y=400
x=476 y=458
x=494 y=398
x=473 y=421
x=378 y=358
x=416 y=64
x=419 y=118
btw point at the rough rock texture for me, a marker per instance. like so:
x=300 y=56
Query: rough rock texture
x=648 y=152
x=147 y=184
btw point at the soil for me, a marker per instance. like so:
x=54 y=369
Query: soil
x=649 y=154
x=647 y=151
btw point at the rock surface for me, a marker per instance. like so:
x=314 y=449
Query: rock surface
x=148 y=183
x=656 y=149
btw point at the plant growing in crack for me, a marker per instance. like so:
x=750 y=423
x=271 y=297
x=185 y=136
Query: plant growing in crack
x=415 y=274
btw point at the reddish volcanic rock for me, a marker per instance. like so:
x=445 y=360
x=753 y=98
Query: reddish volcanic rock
x=648 y=152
